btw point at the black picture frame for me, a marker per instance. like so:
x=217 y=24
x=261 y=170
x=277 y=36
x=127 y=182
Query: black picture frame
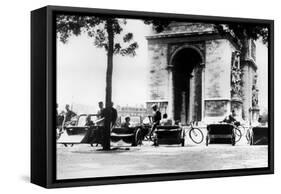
x=43 y=99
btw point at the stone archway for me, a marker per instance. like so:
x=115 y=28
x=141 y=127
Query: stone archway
x=187 y=84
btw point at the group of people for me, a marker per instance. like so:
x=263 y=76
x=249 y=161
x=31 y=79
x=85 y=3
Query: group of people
x=111 y=112
x=155 y=119
x=65 y=117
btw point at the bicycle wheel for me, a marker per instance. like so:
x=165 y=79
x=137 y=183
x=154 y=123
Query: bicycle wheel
x=248 y=136
x=138 y=140
x=196 y=135
x=242 y=129
x=238 y=134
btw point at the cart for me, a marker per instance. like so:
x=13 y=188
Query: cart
x=220 y=133
x=131 y=135
x=259 y=136
x=77 y=133
x=169 y=135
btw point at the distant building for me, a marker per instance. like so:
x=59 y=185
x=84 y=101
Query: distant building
x=131 y=111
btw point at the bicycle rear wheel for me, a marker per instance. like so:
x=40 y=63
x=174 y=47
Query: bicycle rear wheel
x=196 y=135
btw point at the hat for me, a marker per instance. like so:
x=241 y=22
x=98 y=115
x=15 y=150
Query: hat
x=154 y=105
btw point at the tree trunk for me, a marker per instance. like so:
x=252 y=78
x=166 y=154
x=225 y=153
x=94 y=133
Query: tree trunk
x=108 y=92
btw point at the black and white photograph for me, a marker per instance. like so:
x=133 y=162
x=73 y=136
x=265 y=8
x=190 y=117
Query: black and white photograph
x=138 y=97
x=142 y=96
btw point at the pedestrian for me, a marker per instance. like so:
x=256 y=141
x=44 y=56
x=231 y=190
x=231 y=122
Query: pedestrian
x=100 y=115
x=69 y=113
x=114 y=115
x=156 y=118
x=100 y=112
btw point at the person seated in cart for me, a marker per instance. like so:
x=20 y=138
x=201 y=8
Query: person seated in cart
x=126 y=124
x=231 y=119
x=89 y=121
x=165 y=121
x=93 y=133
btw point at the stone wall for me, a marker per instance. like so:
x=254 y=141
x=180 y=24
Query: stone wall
x=217 y=69
x=187 y=27
x=158 y=75
x=217 y=79
x=249 y=69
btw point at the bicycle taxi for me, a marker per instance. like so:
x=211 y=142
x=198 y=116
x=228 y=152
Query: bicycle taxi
x=131 y=135
x=220 y=133
x=77 y=132
x=258 y=135
x=169 y=134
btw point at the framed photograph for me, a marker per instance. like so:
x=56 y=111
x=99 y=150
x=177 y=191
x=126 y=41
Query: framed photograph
x=126 y=96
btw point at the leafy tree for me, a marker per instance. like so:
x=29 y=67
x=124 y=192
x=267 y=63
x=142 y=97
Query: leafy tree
x=103 y=30
x=244 y=32
x=157 y=25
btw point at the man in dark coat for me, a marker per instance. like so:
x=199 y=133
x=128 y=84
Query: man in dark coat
x=114 y=115
x=156 y=118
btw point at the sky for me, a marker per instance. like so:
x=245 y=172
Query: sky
x=81 y=70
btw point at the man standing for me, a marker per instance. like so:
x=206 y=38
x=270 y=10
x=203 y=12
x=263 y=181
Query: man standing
x=156 y=118
x=69 y=114
x=114 y=115
x=100 y=112
x=100 y=115
x=109 y=122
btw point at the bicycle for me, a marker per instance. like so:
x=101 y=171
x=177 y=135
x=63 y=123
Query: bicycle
x=195 y=134
x=239 y=130
x=248 y=135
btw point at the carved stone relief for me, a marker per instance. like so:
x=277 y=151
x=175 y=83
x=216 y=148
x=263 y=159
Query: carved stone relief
x=236 y=81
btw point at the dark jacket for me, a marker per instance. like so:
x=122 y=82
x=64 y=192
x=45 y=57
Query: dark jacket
x=156 y=117
x=114 y=116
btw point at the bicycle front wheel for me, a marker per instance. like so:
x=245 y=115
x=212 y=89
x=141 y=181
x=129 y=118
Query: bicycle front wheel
x=196 y=135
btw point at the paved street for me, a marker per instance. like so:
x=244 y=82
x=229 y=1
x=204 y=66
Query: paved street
x=81 y=161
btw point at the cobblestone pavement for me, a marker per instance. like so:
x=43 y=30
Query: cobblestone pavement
x=81 y=161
